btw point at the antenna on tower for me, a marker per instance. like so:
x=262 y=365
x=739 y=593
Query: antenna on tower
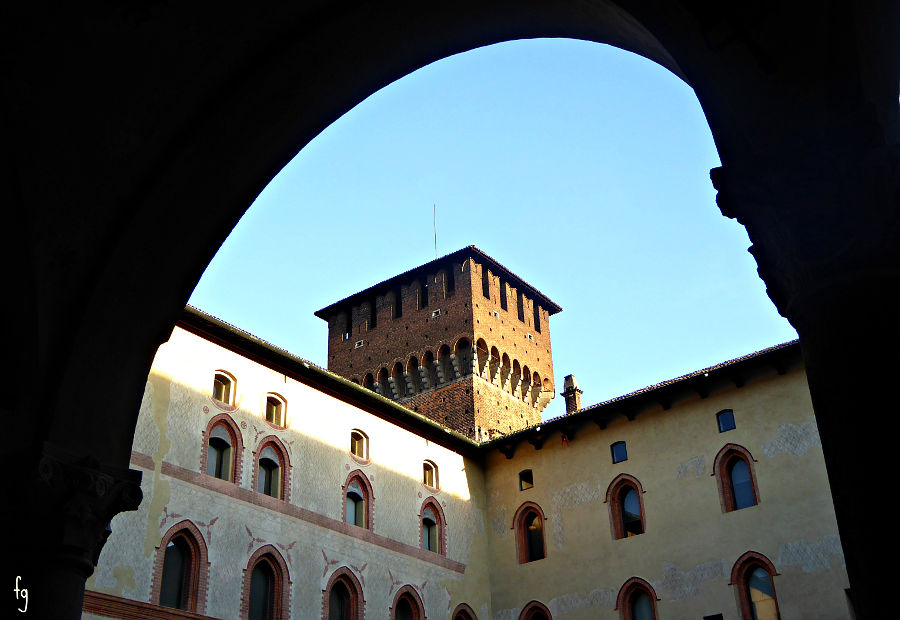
x=434 y=219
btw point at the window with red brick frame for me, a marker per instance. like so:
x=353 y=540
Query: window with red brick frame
x=735 y=476
x=625 y=497
x=754 y=575
x=266 y=586
x=342 y=598
x=181 y=569
x=637 y=600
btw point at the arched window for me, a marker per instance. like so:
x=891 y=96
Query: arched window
x=735 y=478
x=359 y=444
x=535 y=611
x=180 y=576
x=529 y=525
x=636 y=600
x=463 y=612
x=221 y=453
x=358 y=500
x=626 y=506
x=446 y=364
x=220 y=457
x=433 y=532
x=271 y=475
x=265 y=591
x=223 y=387
x=754 y=574
x=276 y=409
x=342 y=598
x=430 y=474
x=407 y=605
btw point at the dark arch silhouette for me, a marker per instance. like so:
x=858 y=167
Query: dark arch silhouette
x=802 y=106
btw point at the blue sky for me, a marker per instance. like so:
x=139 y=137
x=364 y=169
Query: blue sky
x=582 y=168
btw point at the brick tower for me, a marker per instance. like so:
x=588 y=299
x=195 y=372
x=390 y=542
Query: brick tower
x=461 y=340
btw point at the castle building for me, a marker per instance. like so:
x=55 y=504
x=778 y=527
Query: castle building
x=274 y=488
x=461 y=339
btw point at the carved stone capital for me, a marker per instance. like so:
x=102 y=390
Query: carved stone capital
x=86 y=496
x=821 y=229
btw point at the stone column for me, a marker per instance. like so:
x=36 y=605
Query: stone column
x=826 y=238
x=68 y=503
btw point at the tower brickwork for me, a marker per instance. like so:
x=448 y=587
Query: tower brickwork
x=461 y=340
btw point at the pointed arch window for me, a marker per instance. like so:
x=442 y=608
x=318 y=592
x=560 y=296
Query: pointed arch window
x=736 y=478
x=432 y=527
x=463 y=612
x=626 y=506
x=342 y=598
x=407 y=605
x=529 y=525
x=535 y=610
x=358 y=497
x=272 y=469
x=266 y=586
x=754 y=575
x=636 y=600
x=181 y=569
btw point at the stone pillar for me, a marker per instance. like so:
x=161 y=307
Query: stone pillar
x=68 y=503
x=826 y=238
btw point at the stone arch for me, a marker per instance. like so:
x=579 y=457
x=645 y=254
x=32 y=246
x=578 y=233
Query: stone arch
x=415 y=377
x=525 y=387
x=383 y=385
x=430 y=370
x=398 y=378
x=445 y=363
x=462 y=350
x=482 y=356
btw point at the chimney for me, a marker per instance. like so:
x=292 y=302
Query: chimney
x=572 y=394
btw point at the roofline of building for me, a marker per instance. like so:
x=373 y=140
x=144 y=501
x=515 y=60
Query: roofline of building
x=698 y=383
x=258 y=350
x=430 y=267
x=701 y=382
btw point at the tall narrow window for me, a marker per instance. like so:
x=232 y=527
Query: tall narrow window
x=356 y=505
x=429 y=531
x=735 y=478
x=223 y=388
x=485 y=282
x=220 y=454
x=275 y=410
x=262 y=591
x=530 y=533
x=343 y=596
x=176 y=574
x=626 y=507
x=272 y=469
x=503 y=303
x=430 y=474
x=265 y=592
x=637 y=600
x=537 y=317
x=180 y=569
x=753 y=574
x=520 y=305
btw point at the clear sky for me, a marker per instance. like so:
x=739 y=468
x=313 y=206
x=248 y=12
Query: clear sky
x=582 y=168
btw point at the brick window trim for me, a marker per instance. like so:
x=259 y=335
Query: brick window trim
x=357 y=597
x=358 y=475
x=742 y=566
x=518 y=524
x=412 y=595
x=237 y=445
x=627 y=590
x=615 y=506
x=532 y=608
x=283 y=583
x=463 y=612
x=285 y=464
x=431 y=502
x=199 y=566
x=723 y=459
